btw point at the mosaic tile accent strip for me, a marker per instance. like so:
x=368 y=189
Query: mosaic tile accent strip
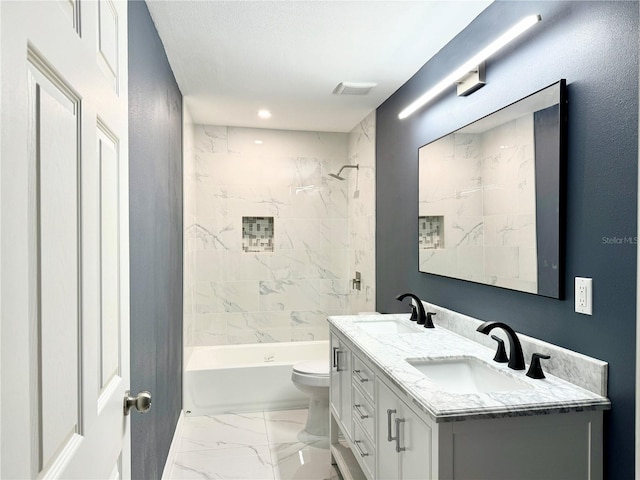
x=431 y=232
x=257 y=234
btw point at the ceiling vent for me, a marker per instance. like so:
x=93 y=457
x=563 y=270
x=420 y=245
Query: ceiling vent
x=354 y=88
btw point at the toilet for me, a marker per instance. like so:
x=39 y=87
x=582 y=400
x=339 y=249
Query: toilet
x=312 y=378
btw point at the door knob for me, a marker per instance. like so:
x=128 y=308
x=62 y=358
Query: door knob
x=141 y=402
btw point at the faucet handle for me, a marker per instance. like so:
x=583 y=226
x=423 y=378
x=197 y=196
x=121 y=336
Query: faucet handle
x=501 y=353
x=535 y=370
x=429 y=320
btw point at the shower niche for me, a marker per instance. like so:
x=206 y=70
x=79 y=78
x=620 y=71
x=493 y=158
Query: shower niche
x=257 y=234
x=431 y=232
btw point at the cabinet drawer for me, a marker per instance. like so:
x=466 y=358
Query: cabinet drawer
x=364 y=413
x=364 y=450
x=363 y=377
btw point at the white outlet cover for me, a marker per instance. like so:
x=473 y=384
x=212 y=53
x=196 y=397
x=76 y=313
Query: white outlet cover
x=584 y=295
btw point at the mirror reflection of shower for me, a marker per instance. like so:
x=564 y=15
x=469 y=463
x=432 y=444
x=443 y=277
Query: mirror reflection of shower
x=337 y=175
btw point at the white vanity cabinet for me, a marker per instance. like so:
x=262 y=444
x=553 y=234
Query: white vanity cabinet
x=403 y=439
x=340 y=385
x=387 y=440
x=352 y=413
x=380 y=432
x=556 y=446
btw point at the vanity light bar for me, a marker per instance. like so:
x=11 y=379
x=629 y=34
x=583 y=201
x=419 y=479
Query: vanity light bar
x=519 y=28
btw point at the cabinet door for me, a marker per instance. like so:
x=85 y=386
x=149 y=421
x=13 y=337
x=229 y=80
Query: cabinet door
x=403 y=439
x=340 y=384
x=334 y=376
x=387 y=467
x=415 y=438
x=344 y=367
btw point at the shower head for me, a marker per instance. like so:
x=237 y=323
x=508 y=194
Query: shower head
x=337 y=175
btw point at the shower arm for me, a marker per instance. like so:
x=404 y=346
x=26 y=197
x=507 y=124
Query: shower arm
x=337 y=175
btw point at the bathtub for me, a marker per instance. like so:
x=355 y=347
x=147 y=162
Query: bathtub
x=245 y=378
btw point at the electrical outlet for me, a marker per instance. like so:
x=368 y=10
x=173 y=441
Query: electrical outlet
x=583 y=295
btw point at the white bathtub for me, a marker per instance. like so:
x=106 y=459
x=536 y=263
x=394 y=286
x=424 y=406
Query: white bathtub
x=245 y=378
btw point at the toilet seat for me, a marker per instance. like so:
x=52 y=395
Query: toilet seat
x=313 y=374
x=315 y=367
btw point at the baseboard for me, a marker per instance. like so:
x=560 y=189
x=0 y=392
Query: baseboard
x=173 y=449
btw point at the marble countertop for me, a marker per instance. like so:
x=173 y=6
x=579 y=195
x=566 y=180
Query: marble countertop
x=389 y=351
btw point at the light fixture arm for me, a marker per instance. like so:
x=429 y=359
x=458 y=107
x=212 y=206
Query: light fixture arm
x=519 y=28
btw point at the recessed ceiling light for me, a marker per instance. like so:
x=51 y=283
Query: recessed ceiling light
x=258 y=142
x=264 y=113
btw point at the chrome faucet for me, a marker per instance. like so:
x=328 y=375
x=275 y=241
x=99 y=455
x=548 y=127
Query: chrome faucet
x=417 y=313
x=516 y=358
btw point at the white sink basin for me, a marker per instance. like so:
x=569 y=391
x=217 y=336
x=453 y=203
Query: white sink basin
x=379 y=327
x=467 y=375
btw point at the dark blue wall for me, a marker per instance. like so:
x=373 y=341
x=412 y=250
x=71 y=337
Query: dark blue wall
x=594 y=45
x=155 y=179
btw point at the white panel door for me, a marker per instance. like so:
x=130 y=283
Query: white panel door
x=64 y=236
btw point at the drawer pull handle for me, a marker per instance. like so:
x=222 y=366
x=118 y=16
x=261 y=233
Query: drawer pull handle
x=360 y=377
x=359 y=412
x=360 y=451
x=389 y=413
x=398 y=447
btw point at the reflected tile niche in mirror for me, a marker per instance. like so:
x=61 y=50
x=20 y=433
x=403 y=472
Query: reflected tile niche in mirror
x=489 y=197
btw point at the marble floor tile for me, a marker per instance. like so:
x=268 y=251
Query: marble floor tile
x=285 y=426
x=223 y=432
x=252 y=446
x=246 y=463
x=302 y=461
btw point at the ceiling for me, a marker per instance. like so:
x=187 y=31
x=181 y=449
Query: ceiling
x=233 y=58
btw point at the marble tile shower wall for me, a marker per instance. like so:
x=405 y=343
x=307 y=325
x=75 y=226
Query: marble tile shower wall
x=362 y=218
x=246 y=297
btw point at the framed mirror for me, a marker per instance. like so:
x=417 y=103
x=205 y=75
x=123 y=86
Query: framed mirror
x=490 y=197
